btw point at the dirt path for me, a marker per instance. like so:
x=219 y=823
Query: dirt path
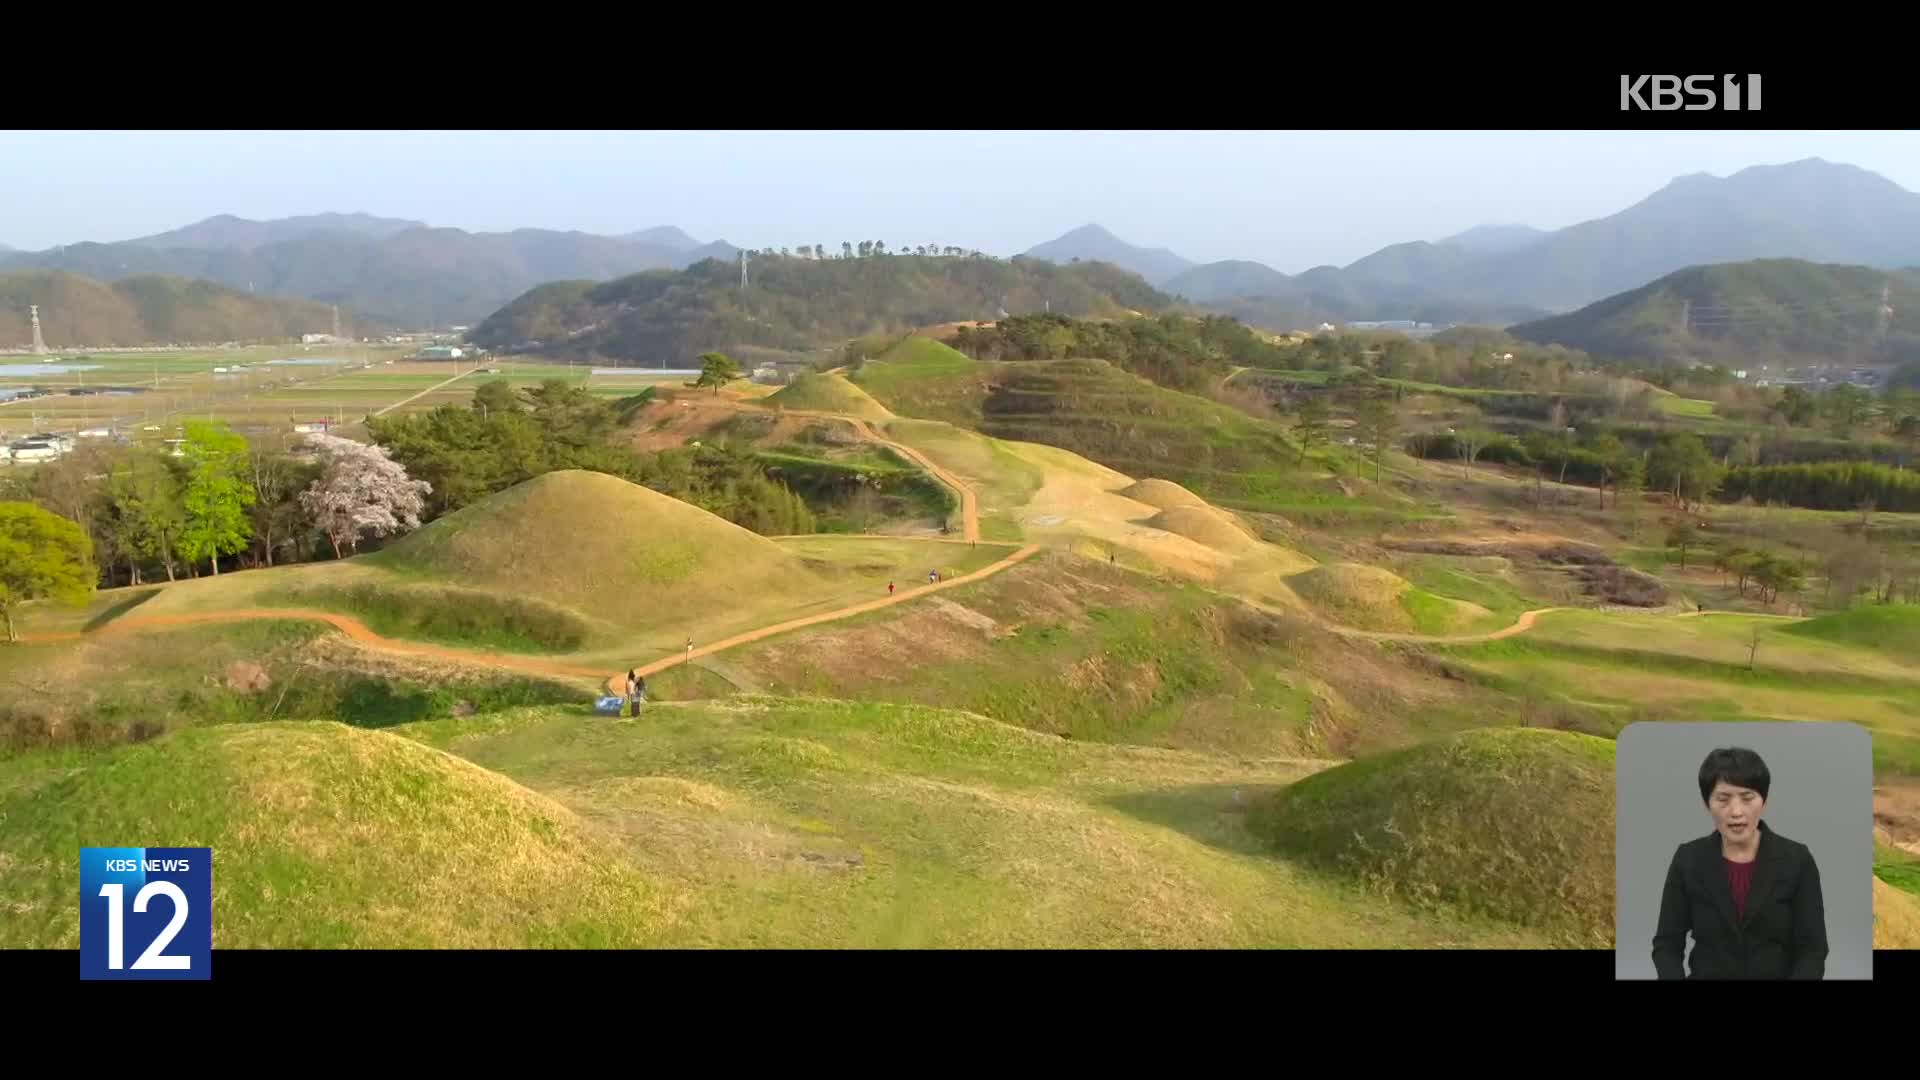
x=616 y=683
x=1520 y=626
x=346 y=624
x=969 y=503
x=424 y=393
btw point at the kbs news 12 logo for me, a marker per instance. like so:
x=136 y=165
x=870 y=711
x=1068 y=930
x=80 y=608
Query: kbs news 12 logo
x=146 y=913
x=1693 y=93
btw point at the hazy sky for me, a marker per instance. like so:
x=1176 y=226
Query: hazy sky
x=1290 y=199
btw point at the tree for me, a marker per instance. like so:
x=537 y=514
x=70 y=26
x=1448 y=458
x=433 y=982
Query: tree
x=43 y=556
x=1682 y=536
x=1612 y=453
x=866 y=248
x=1379 y=425
x=1471 y=441
x=1846 y=407
x=846 y=250
x=716 y=371
x=1681 y=464
x=144 y=510
x=1311 y=426
x=1907 y=430
x=1777 y=575
x=361 y=492
x=216 y=495
x=496 y=396
x=277 y=479
x=1630 y=479
x=1796 y=406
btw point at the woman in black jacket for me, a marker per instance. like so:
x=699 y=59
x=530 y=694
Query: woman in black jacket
x=1750 y=897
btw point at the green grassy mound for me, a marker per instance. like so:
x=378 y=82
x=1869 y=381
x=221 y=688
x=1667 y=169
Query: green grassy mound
x=828 y=393
x=629 y=553
x=924 y=378
x=1888 y=628
x=450 y=615
x=323 y=836
x=1511 y=823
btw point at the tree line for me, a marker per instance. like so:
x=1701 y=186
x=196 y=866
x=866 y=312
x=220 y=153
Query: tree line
x=1179 y=352
x=1834 y=485
x=134 y=514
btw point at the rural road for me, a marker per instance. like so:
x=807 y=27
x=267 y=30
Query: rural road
x=424 y=393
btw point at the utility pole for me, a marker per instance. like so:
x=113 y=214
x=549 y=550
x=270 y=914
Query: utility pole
x=1686 y=322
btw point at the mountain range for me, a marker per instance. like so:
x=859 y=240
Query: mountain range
x=1813 y=210
x=795 y=305
x=1750 y=313
x=408 y=274
x=393 y=271
x=77 y=311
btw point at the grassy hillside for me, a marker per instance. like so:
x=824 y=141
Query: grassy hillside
x=1097 y=652
x=629 y=551
x=324 y=836
x=794 y=303
x=1121 y=421
x=828 y=393
x=1512 y=823
x=77 y=311
x=1893 y=629
x=1746 y=313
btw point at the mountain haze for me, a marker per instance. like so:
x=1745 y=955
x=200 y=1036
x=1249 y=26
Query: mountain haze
x=401 y=273
x=1091 y=243
x=226 y=232
x=1748 y=313
x=1812 y=210
x=79 y=312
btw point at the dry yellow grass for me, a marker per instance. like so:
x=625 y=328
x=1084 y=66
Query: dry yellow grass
x=1164 y=494
x=1205 y=525
x=1896 y=918
x=1354 y=593
x=629 y=553
x=330 y=836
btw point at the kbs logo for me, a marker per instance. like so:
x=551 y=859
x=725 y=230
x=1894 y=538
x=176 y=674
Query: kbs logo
x=1693 y=93
x=153 y=903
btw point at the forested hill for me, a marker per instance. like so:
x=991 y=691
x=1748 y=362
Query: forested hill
x=1753 y=312
x=795 y=303
x=79 y=312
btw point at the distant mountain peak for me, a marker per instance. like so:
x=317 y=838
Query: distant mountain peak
x=665 y=235
x=1489 y=239
x=1095 y=243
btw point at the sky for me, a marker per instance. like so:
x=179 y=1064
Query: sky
x=1290 y=199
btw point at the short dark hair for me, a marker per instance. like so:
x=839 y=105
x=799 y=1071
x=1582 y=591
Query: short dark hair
x=1738 y=766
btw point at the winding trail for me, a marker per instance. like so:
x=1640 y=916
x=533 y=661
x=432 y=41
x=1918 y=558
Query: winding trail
x=970 y=517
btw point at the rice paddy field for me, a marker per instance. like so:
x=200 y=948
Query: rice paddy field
x=260 y=389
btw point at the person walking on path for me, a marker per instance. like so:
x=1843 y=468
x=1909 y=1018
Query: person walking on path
x=639 y=694
x=889 y=588
x=689 y=650
x=633 y=701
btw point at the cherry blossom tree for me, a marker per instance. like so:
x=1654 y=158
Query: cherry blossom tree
x=361 y=492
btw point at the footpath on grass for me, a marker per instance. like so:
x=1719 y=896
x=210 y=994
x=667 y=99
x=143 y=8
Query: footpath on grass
x=970 y=519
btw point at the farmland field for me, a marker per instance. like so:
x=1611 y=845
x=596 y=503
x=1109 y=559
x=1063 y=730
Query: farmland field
x=164 y=389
